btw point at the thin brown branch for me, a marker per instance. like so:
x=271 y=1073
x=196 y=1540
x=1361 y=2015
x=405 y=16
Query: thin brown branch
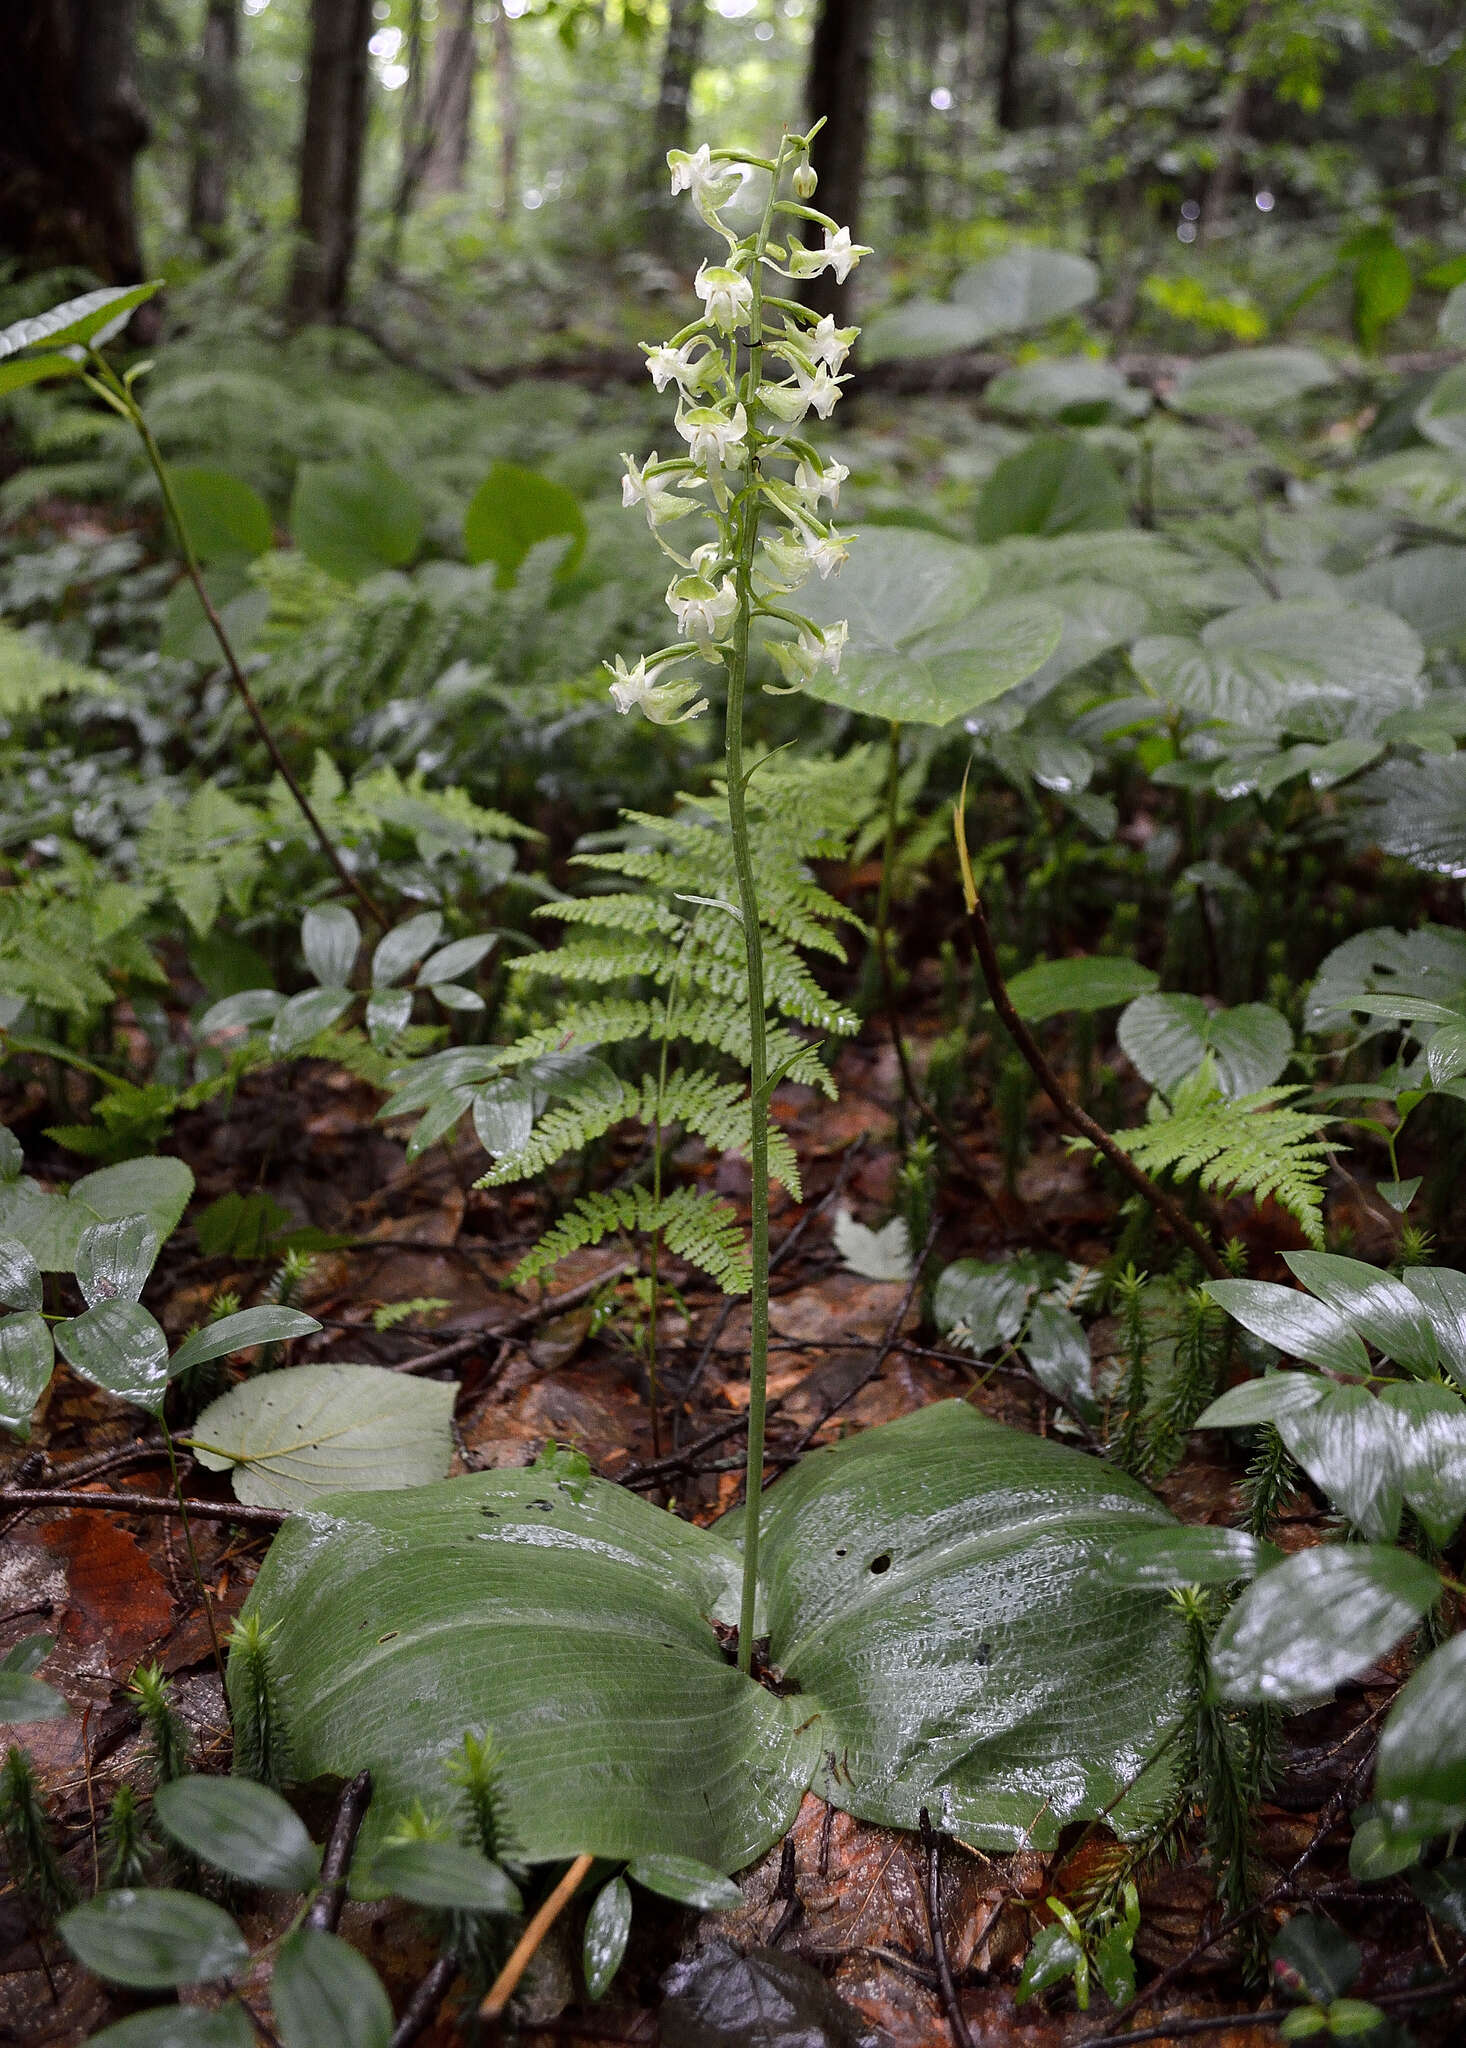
x=951 y=2004
x=325 y=1907
x=139 y=1504
x=422 y=2007
x=506 y=1983
x=540 y=1312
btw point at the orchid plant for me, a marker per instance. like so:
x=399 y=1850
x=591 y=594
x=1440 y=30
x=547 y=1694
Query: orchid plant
x=747 y=373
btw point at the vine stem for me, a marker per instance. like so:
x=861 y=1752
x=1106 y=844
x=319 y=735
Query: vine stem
x=120 y=397
x=758 y=1150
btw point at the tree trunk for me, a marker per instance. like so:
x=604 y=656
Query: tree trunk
x=837 y=86
x=450 y=97
x=1009 y=109
x=330 y=158
x=216 y=135
x=681 y=56
x=1216 y=200
x=71 y=126
x=508 y=98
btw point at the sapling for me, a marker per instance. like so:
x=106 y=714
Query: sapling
x=746 y=373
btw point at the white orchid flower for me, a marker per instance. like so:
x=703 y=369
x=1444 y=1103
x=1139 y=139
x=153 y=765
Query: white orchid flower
x=656 y=493
x=709 y=185
x=829 y=344
x=727 y=294
x=664 y=703
x=679 y=366
x=813 y=485
x=818 y=389
x=702 y=610
x=839 y=254
x=714 y=437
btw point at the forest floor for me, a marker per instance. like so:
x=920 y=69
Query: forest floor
x=115 y=1588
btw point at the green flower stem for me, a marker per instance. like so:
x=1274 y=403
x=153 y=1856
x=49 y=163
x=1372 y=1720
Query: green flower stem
x=749 y=506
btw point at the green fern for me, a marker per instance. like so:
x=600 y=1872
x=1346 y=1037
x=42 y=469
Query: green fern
x=1252 y=1144
x=694 y=1226
x=30 y=674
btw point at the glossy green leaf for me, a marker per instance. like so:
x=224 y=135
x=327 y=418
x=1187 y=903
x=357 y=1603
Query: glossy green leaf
x=77 y=320
x=388 y=1013
x=459 y=957
x=17 y=372
x=1094 y=982
x=1383 y=1310
x=936 y=1587
x=1057 y=1352
x=330 y=939
x=1318 y=1618
x=1186 y=1557
x=1053 y=1955
x=154 y=1939
x=1166 y=1038
x=289 y=1437
x=20 y=1277
x=980 y=1305
x=225 y=518
x=305 y=1016
x=1442 y=1892
x=607 y=1930
x=1441 y=1292
x=1246 y=383
x=119 y=1346
x=50 y=1225
x=1379 y=1851
x=241 y=1828
x=179 y=2026
x=1299 y=1325
x=113 y=1259
x=1431 y=1425
x=444 y=1874
x=265 y=1324
x=1255 y=1402
x=1311 y=1958
x=327 y=1995
x=1025 y=286
x=514 y=510
x=688 y=1881
x=1350 y=1448
x=1422 y=1748
x=354 y=519
x=404 y=946
x=923 y=645
x=26 y=1360
x=1441 y=414
x=23 y=1698
x=237 y=1012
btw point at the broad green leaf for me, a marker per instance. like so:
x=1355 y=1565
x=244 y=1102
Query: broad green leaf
x=1431 y=1425
x=920 y=327
x=1350 y=1448
x=28 y=1655
x=1246 y=383
x=330 y=939
x=1186 y=1557
x=1299 y=1325
x=1379 y=1851
x=688 y=1881
x=77 y=320
x=119 y=1346
x=1025 y=286
x=1305 y=665
x=1422 y=1749
x=1097 y=617
x=566 y=1614
x=935 y=1589
x=306 y=1016
x=607 y=1930
x=1057 y=1351
x=266 y=1324
x=1451 y=323
x=50 y=1226
x=354 y=519
x=923 y=646
x=1425 y=586
x=23 y=1698
x=1416 y=810
x=180 y=2026
x=187 y=632
x=403 y=946
x=1318 y=1618
x=443 y=1874
x=113 y=1259
x=154 y=1939
x=225 y=518
x=289 y=1437
x=26 y=1360
x=1166 y=1038
x=1053 y=1956
x=980 y=1305
x=19 y=371
x=20 y=1277
x=1257 y=1402
x=457 y=958
x=241 y=1828
x=513 y=510
x=327 y=1995
x=1094 y=982
x=1079 y=390
x=1382 y=1309
x=1441 y=1292
x=388 y=1013
x=1441 y=414
x=1312 y=1958
x=239 y=1011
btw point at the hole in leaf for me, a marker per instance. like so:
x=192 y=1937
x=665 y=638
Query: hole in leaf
x=841 y=1552
x=881 y=1563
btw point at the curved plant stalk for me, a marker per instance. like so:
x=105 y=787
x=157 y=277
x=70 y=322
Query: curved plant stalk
x=118 y=393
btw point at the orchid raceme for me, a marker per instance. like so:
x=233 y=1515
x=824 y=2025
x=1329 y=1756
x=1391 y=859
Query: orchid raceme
x=747 y=463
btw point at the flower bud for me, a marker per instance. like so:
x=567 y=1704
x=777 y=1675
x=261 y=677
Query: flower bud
x=805 y=181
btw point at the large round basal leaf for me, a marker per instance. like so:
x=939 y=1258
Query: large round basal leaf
x=119 y=1346
x=1246 y=383
x=289 y=1437
x=327 y=1995
x=513 y=510
x=1300 y=1326
x=571 y=1618
x=1080 y=390
x=1051 y=987
x=936 y=1586
x=1422 y=1749
x=180 y=2026
x=1424 y=586
x=1056 y=484
x=225 y=518
x=354 y=519
x=1318 y=1618
x=153 y=1939
x=1024 y=287
x=50 y=1226
x=1441 y=414
x=241 y=1828
x=1304 y=665
x=26 y=1359
x=920 y=327
x=1166 y=1038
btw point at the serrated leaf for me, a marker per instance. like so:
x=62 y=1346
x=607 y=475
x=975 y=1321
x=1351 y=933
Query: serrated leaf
x=405 y=944
x=688 y=1881
x=883 y=1254
x=152 y=1939
x=607 y=1930
x=443 y=1874
x=286 y=1438
x=330 y=939
x=327 y=1995
x=1095 y=982
x=265 y=1324
x=119 y=1346
x=113 y=1259
x=241 y=1828
x=1298 y=1324
x=1319 y=1618
x=26 y=1361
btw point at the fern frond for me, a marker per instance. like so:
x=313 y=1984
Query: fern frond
x=694 y=1226
x=585 y=1027
x=568 y=1125
x=720 y=1113
x=30 y=674
x=1251 y=1144
x=619 y=912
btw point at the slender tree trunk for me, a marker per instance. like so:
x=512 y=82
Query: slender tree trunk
x=330 y=158
x=681 y=56
x=507 y=93
x=1216 y=200
x=450 y=97
x=1009 y=108
x=216 y=135
x=837 y=86
x=71 y=126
